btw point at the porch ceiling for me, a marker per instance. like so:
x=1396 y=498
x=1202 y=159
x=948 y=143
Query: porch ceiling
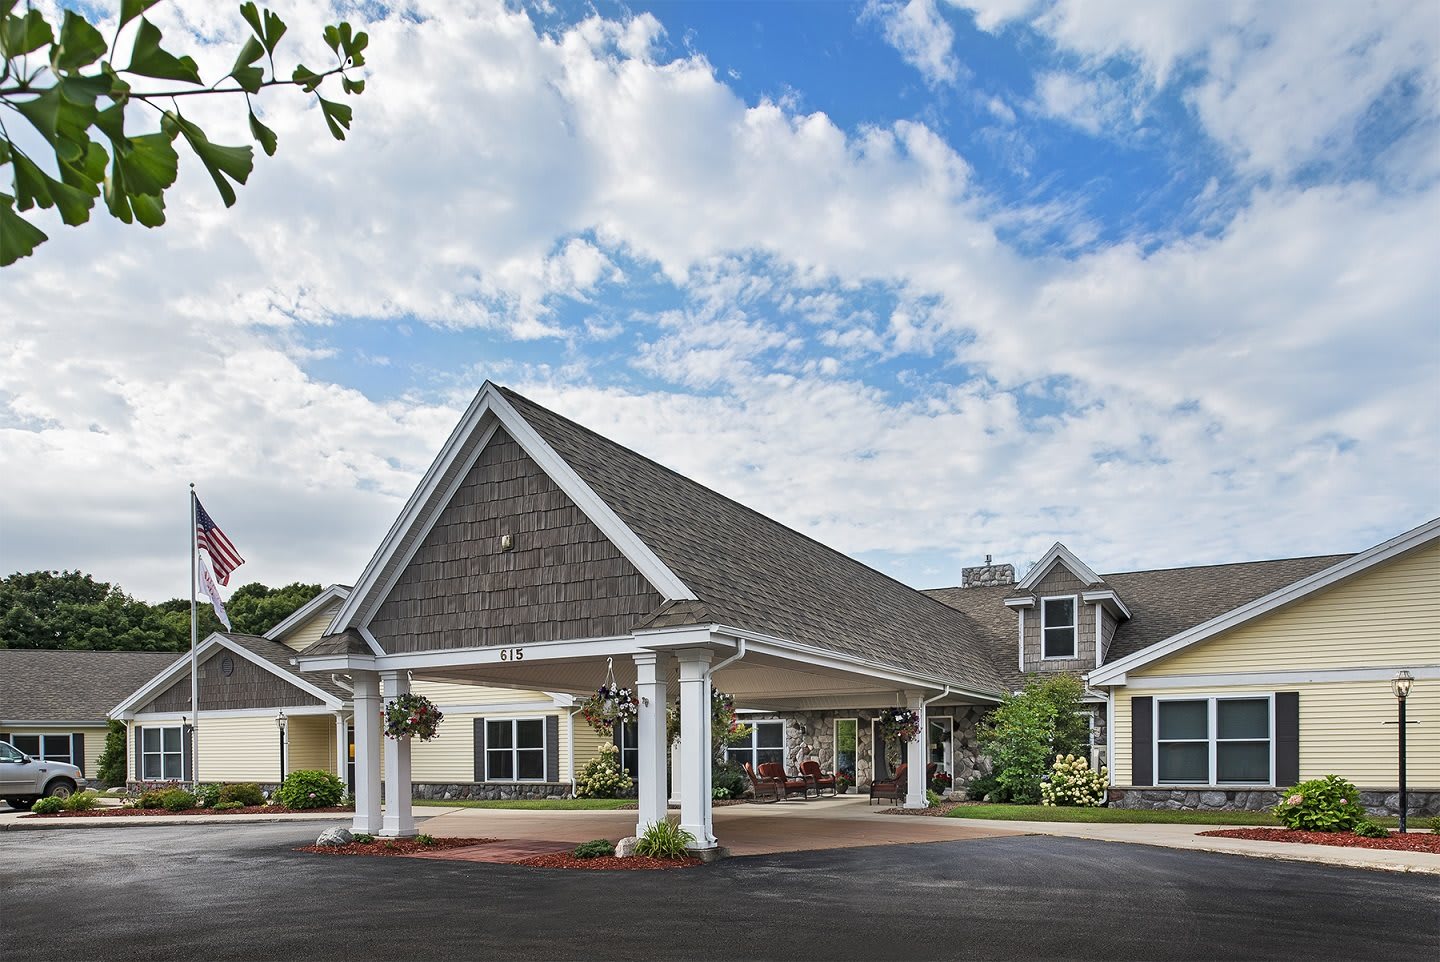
x=757 y=681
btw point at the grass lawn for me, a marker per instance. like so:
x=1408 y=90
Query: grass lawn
x=1135 y=816
x=540 y=804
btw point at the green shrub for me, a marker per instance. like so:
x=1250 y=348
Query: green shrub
x=1368 y=829
x=977 y=788
x=48 y=805
x=933 y=798
x=422 y=839
x=1433 y=824
x=362 y=838
x=207 y=795
x=1073 y=782
x=730 y=778
x=151 y=798
x=226 y=806
x=246 y=793
x=1329 y=804
x=177 y=800
x=310 y=789
x=110 y=769
x=595 y=848
x=82 y=801
x=1030 y=730
x=602 y=776
x=664 y=839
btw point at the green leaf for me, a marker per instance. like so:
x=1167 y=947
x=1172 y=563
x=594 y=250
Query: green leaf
x=222 y=162
x=24 y=35
x=130 y=9
x=269 y=30
x=307 y=78
x=337 y=115
x=34 y=186
x=263 y=135
x=249 y=77
x=352 y=86
x=149 y=60
x=83 y=90
x=149 y=209
x=149 y=164
x=80 y=43
x=18 y=237
x=111 y=123
x=332 y=38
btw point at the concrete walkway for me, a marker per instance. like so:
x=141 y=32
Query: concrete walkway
x=1188 y=836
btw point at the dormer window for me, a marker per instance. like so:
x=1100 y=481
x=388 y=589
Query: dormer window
x=1057 y=627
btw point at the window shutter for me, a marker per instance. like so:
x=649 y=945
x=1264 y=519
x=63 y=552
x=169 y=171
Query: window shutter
x=1287 y=738
x=187 y=752
x=479 y=749
x=77 y=751
x=139 y=757
x=1142 y=741
x=552 y=748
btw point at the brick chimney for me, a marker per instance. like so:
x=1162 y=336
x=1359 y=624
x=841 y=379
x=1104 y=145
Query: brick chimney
x=988 y=575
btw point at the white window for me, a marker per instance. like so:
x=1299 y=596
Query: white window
x=48 y=748
x=628 y=740
x=1213 y=741
x=162 y=754
x=1057 y=627
x=765 y=744
x=514 y=749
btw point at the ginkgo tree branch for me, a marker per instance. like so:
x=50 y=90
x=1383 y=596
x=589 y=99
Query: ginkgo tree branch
x=134 y=172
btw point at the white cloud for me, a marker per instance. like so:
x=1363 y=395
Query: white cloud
x=919 y=31
x=1205 y=399
x=1097 y=105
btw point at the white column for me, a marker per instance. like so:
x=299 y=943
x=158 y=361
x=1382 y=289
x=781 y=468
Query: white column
x=398 y=822
x=695 y=749
x=341 y=755
x=916 y=754
x=651 y=669
x=367 y=752
x=677 y=768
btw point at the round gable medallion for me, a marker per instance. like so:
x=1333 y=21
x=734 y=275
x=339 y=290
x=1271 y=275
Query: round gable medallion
x=227 y=666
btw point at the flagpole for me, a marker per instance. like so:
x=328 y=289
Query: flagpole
x=194 y=645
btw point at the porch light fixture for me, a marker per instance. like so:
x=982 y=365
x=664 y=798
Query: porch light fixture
x=1400 y=684
x=281 y=722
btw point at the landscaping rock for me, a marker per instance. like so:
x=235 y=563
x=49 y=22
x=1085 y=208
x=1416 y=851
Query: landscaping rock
x=335 y=836
x=625 y=847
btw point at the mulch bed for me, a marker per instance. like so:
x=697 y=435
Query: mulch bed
x=941 y=809
x=1409 y=842
x=143 y=812
x=631 y=864
x=394 y=846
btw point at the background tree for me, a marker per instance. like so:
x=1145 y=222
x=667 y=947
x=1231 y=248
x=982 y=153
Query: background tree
x=66 y=90
x=1025 y=734
x=70 y=609
x=111 y=763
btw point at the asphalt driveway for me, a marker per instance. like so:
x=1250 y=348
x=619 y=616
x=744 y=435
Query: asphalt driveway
x=185 y=892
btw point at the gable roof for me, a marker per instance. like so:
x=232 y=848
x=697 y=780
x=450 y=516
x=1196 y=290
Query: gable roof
x=272 y=656
x=749 y=571
x=71 y=686
x=302 y=614
x=1058 y=554
x=1322 y=575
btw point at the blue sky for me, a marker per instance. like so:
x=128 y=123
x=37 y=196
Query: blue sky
x=926 y=280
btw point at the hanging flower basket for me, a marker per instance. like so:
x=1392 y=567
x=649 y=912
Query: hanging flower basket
x=725 y=725
x=412 y=716
x=610 y=704
x=899 y=724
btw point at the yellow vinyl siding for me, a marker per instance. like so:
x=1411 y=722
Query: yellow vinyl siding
x=1386 y=616
x=450 y=757
x=245 y=749
x=443 y=693
x=310 y=630
x=1342 y=730
x=587 y=742
x=311 y=743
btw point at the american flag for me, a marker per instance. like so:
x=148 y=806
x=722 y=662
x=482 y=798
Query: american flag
x=222 y=552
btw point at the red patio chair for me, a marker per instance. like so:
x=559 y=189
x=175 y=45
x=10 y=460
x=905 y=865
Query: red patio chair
x=763 y=787
x=892 y=788
x=792 y=786
x=817 y=777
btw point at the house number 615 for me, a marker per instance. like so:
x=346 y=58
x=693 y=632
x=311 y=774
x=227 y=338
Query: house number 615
x=512 y=654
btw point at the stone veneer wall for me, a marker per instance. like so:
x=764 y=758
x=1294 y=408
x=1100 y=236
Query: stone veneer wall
x=1377 y=801
x=491 y=790
x=811 y=735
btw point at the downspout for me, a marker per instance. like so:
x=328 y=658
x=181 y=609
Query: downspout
x=571 y=747
x=739 y=653
x=335 y=680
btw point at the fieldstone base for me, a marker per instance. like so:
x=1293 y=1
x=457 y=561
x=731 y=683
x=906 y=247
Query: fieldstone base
x=491 y=791
x=1377 y=801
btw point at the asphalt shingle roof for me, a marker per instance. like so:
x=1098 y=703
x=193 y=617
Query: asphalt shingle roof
x=752 y=572
x=279 y=655
x=72 y=686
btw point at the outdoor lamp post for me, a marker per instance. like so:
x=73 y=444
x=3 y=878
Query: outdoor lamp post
x=281 y=722
x=1401 y=686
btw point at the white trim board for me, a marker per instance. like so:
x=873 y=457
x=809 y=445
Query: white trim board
x=309 y=608
x=1114 y=672
x=126 y=708
x=1315 y=676
x=419 y=513
x=290 y=712
x=1058 y=553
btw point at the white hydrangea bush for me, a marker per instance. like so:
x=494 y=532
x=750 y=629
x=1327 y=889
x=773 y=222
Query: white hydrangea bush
x=1073 y=782
x=603 y=777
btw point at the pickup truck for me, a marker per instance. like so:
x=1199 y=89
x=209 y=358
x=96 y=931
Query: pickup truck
x=23 y=779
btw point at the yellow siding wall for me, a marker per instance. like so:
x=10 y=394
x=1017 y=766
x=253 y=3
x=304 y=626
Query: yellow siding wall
x=311 y=629
x=245 y=749
x=450 y=757
x=1387 y=616
x=312 y=743
x=587 y=743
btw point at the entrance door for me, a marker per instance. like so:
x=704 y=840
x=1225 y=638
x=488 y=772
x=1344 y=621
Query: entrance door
x=350 y=754
x=847 y=731
x=886 y=757
x=940 y=743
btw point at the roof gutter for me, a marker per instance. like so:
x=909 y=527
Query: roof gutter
x=739 y=653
